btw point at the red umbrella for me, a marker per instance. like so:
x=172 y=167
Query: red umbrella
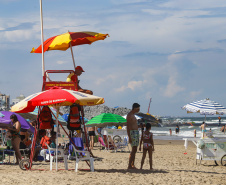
x=56 y=97
x=65 y=40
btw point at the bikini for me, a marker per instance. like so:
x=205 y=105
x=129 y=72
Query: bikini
x=15 y=134
x=147 y=145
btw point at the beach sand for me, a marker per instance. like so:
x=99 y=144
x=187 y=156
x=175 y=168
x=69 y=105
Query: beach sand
x=171 y=166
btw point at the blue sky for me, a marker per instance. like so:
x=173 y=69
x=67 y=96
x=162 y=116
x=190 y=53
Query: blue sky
x=171 y=51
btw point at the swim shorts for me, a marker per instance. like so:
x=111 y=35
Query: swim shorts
x=134 y=134
x=91 y=133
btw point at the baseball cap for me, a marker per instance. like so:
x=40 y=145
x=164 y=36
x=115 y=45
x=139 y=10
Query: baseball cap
x=79 y=68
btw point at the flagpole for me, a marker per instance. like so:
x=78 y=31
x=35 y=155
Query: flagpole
x=42 y=39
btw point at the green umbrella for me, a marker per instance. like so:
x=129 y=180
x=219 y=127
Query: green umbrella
x=106 y=119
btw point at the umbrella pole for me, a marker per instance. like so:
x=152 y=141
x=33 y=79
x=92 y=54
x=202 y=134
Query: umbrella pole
x=57 y=108
x=42 y=39
x=72 y=55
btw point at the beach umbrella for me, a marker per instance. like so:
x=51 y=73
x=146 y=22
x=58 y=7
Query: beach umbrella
x=69 y=39
x=5 y=121
x=60 y=118
x=56 y=97
x=106 y=119
x=205 y=107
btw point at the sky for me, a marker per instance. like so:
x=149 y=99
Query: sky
x=172 y=51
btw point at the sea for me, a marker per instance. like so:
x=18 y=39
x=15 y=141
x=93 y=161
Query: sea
x=187 y=126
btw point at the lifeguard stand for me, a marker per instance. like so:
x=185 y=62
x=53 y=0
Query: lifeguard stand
x=47 y=83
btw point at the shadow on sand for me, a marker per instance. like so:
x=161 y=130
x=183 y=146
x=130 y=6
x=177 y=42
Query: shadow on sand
x=124 y=171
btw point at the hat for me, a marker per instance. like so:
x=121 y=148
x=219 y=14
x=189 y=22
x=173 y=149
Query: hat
x=79 y=68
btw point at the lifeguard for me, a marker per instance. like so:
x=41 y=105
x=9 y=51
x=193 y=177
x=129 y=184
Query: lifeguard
x=73 y=77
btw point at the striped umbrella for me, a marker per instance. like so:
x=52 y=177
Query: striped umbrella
x=205 y=107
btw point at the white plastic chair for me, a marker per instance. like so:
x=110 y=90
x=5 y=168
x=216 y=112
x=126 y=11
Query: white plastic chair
x=123 y=145
x=60 y=154
x=80 y=157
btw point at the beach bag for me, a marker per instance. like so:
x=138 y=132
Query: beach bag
x=45 y=118
x=74 y=120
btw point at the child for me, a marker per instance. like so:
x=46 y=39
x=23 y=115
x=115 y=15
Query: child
x=148 y=145
x=170 y=132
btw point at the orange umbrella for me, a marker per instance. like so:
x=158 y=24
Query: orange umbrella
x=66 y=40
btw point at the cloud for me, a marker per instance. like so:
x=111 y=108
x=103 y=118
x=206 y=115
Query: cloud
x=201 y=50
x=21 y=26
x=172 y=88
x=17 y=35
x=194 y=94
x=132 y=85
x=106 y=79
x=61 y=62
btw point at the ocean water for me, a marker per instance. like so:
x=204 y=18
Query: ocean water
x=187 y=126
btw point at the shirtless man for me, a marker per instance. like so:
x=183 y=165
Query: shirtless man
x=133 y=133
x=203 y=128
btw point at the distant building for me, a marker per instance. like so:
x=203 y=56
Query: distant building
x=17 y=99
x=4 y=102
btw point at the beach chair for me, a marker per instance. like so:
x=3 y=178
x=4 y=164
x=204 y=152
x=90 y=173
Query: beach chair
x=109 y=143
x=51 y=156
x=122 y=145
x=9 y=151
x=101 y=141
x=82 y=155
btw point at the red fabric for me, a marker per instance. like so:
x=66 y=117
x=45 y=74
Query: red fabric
x=46 y=45
x=52 y=96
x=45 y=139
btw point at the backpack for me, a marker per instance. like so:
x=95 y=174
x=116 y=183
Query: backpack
x=45 y=118
x=74 y=121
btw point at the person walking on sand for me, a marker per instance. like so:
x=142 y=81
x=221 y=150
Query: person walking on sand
x=133 y=133
x=148 y=145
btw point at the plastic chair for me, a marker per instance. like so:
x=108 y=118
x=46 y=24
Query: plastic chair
x=52 y=156
x=123 y=145
x=83 y=156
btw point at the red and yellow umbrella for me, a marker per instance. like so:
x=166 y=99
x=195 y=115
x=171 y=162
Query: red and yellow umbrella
x=56 y=97
x=66 y=40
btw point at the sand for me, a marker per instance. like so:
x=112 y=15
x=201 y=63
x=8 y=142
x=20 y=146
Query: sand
x=171 y=166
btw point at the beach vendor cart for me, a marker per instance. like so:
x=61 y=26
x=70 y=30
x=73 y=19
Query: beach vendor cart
x=209 y=148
